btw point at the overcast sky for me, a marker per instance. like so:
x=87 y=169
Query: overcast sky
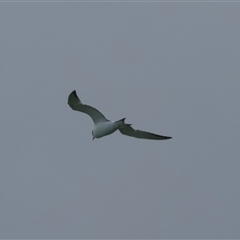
x=169 y=68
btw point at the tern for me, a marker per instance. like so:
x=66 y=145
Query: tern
x=104 y=127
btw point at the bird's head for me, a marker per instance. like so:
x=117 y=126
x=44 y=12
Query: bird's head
x=93 y=136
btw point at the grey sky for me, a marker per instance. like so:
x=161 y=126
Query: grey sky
x=169 y=68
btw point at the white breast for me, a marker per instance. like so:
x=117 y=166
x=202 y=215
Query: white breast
x=104 y=128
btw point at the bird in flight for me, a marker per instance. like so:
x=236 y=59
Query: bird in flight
x=104 y=127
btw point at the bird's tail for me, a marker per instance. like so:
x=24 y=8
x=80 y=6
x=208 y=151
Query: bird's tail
x=123 y=122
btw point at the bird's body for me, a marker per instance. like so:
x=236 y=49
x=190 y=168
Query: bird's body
x=104 y=127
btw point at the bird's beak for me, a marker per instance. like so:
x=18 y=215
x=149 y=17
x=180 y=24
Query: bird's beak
x=93 y=138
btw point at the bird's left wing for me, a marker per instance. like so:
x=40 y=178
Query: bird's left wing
x=76 y=104
x=126 y=129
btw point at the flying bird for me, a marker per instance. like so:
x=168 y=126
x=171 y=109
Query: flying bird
x=104 y=127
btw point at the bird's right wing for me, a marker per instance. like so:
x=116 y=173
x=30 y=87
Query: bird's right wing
x=126 y=129
x=75 y=103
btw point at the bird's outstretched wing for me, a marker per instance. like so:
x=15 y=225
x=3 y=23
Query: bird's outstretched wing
x=75 y=103
x=126 y=129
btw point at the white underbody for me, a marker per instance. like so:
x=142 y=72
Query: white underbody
x=105 y=128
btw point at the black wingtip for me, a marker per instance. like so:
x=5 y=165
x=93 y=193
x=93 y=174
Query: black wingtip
x=162 y=137
x=166 y=137
x=73 y=99
x=75 y=93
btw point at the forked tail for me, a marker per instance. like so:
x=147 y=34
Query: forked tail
x=123 y=122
